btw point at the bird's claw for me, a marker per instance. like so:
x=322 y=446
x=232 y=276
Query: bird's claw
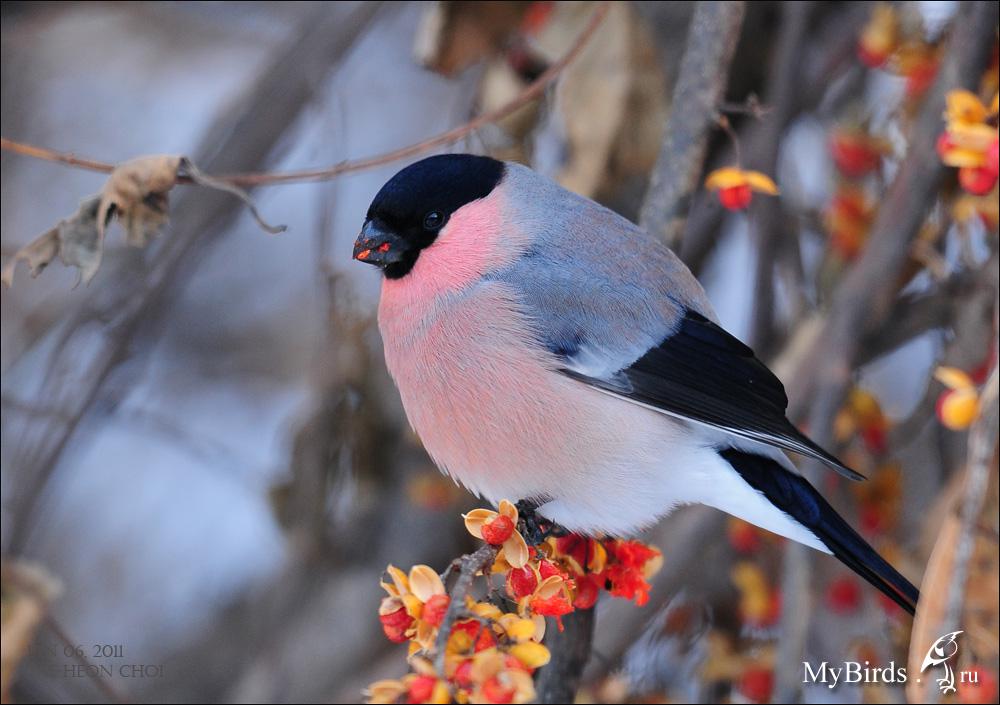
x=535 y=528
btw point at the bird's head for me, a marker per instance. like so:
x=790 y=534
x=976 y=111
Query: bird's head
x=415 y=205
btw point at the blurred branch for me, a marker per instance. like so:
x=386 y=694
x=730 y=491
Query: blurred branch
x=770 y=225
x=698 y=94
x=109 y=319
x=834 y=40
x=982 y=446
x=865 y=295
x=534 y=91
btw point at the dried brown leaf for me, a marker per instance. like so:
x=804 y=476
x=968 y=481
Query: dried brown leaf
x=27 y=592
x=137 y=194
x=75 y=240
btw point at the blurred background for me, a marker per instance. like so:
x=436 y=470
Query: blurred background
x=205 y=468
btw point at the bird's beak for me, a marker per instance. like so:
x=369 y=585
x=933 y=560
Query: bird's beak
x=378 y=245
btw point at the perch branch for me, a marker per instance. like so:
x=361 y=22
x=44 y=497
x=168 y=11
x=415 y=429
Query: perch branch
x=469 y=566
x=570 y=648
x=534 y=91
x=701 y=85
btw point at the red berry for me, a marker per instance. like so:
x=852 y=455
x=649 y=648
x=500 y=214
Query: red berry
x=496 y=692
x=421 y=689
x=555 y=606
x=993 y=158
x=874 y=438
x=521 y=582
x=547 y=569
x=735 y=198
x=921 y=77
x=756 y=684
x=498 y=530
x=889 y=606
x=853 y=157
x=463 y=674
x=435 y=609
x=574 y=546
x=469 y=626
x=944 y=144
x=512 y=664
x=395 y=625
x=588 y=588
x=872 y=521
x=486 y=640
x=871 y=59
x=743 y=537
x=844 y=595
x=977 y=180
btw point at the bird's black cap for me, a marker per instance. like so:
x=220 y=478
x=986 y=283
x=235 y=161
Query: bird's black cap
x=411 y=208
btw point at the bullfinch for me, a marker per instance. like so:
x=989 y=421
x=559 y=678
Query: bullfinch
x=548 y=350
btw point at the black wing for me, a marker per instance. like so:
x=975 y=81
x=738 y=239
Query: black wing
x=702 y=373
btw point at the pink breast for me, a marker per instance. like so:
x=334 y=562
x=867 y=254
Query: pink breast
x=487 y=403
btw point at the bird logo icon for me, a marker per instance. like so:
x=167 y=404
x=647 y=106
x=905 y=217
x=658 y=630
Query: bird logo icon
x=939 y=654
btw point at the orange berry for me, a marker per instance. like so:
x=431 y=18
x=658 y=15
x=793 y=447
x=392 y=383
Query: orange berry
x=958 y=408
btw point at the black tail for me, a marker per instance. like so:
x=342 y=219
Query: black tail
x=796 y=497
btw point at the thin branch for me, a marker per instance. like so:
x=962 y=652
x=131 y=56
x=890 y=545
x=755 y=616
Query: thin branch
x=468 y=567
x=700 y=88
x=534 y=91
x=982 y=445
x=770 y=225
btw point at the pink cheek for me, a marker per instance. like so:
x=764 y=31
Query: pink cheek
x=470 y=244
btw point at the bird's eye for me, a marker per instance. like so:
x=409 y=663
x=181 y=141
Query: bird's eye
x=433 y=220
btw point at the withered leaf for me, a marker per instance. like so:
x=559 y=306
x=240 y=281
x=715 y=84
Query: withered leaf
x=74 y=239
x=136 y=194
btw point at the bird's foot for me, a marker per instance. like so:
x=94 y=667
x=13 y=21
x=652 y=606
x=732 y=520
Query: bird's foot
x=535 y=528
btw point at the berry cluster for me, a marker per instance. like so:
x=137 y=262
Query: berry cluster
x=494 y=645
